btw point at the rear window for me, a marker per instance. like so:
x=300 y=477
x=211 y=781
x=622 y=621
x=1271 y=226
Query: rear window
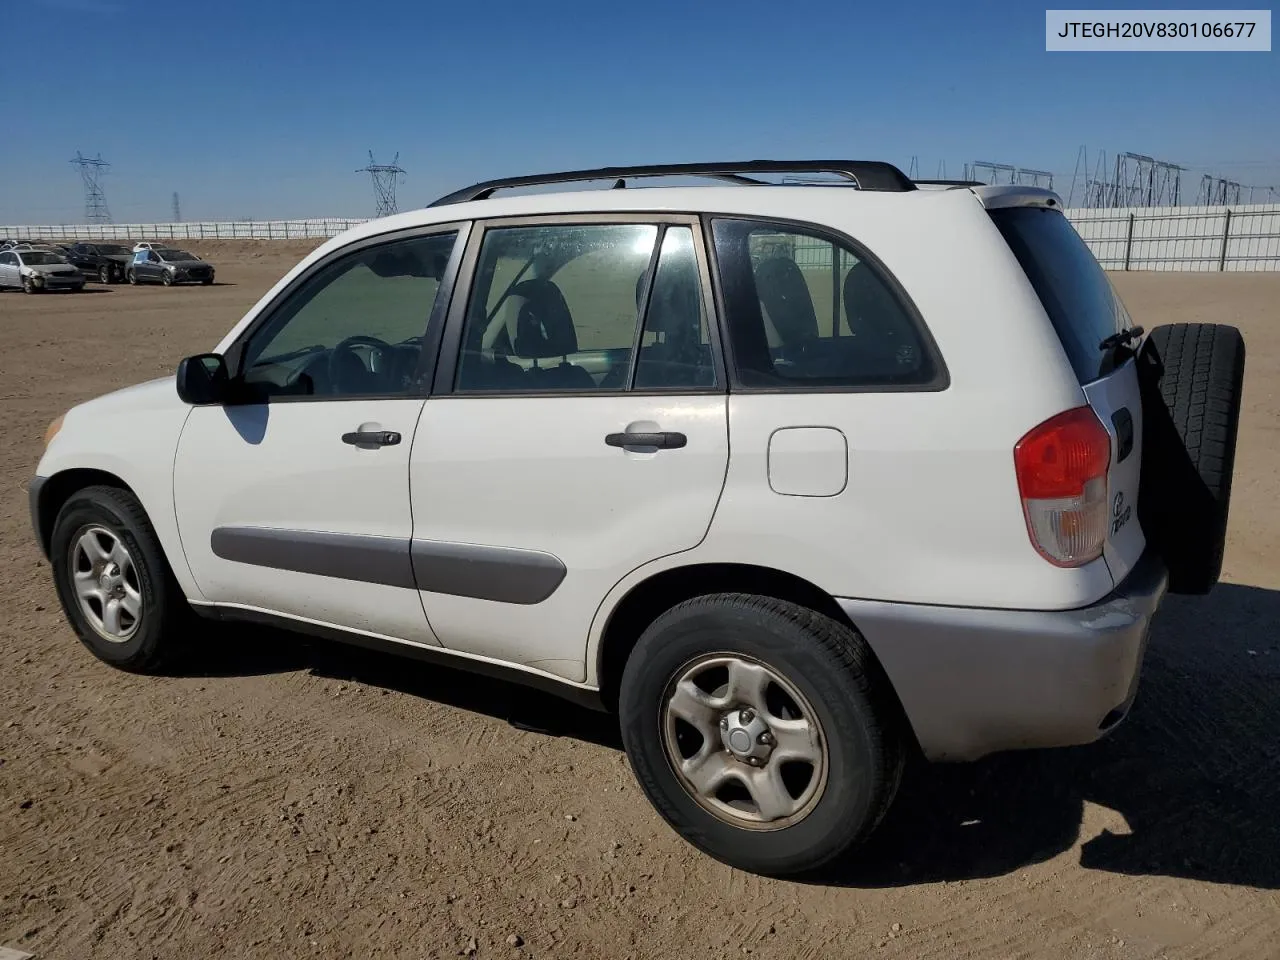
x=1071 y=285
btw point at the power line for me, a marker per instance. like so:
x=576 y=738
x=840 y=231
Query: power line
x=95 y=201
x=385 y=176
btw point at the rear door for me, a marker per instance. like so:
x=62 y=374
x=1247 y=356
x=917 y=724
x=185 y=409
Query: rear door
x=9 y=270
x=1085 y=310
x=578 y=429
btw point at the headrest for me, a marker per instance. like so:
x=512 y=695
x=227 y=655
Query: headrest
x=674 y=303
x=781 y=288
x=869 y=307
x=544 y=326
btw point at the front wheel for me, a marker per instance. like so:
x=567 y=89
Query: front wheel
x=167 y=279
x=28 y=286
x=113 y=580
x=132 y=278
x=104 y=274
x=765 y=733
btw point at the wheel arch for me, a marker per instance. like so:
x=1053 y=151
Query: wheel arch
x=649 y=598
x=57 y=489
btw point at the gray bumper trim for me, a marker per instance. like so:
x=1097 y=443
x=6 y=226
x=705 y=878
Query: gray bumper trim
x=978 y=681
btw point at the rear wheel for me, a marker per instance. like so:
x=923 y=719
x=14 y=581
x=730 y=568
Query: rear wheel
x=1192 y=375
x=763 y=732
x=114 y=582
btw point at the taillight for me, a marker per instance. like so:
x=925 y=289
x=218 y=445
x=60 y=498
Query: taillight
x=1062 y=476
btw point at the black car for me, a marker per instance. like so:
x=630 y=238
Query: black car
x=168 y=265
x=109 y=262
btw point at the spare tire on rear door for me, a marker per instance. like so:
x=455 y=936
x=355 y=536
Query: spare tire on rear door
x=1191 y=376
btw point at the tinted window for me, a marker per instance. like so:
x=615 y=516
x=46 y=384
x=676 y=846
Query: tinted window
x=40 y=257
x=1072 y=286
x=356 y=327
x=675 y=347
x=554 y=308
x=110 y=250
x=803 y=310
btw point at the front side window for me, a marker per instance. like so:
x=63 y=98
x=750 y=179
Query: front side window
x=805 y=311
x=355 y=328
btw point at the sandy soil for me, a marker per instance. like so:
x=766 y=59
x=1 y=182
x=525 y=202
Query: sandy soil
x=280 y=797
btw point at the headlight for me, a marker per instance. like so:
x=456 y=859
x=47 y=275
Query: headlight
x=53 y=429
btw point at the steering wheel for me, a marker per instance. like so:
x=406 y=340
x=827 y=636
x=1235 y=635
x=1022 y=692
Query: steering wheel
x=347 y=372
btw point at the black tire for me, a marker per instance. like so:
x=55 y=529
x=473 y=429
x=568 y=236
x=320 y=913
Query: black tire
x=28 y=286
x=165 y=615
x=1192 y=377
x=104 y=274
x=831 y=666
x=167 y=279
x=131 y=277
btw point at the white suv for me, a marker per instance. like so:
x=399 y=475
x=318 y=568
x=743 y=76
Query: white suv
x=797 y=478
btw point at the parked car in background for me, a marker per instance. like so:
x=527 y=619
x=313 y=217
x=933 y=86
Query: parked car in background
x=168 y=266
x=107 y=261
x=35 y=271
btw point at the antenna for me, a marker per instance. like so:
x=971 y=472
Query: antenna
x=95 y=202
x=385 y=176
x=177 y=208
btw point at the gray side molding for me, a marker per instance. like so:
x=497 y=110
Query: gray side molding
x=502 y=574
x=345 y=556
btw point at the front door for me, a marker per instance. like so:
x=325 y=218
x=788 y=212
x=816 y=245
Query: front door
x=297 y=503
x=581 y=433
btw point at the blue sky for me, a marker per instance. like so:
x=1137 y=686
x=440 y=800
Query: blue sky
x=265 y=108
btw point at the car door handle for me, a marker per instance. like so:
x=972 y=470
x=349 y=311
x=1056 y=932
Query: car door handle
x=666 y=440
x=371 y=438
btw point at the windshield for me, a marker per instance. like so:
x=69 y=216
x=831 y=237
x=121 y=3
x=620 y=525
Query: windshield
x=41 y=257
x=1071 y=285
x=175 y=255
x=112 y=250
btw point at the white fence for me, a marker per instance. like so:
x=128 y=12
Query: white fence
x=207 y=230
x=1240 y=238
x=1185 y=239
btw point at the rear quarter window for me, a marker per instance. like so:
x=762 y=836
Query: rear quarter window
x=805 y=310
x=1072 y=286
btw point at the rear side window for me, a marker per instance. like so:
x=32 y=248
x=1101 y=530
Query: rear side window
x=1071 y=285
x=805 y=311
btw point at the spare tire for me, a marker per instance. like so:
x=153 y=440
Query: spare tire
x=1191 y=376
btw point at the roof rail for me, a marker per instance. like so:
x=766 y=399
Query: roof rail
x=864 y=174
x=952 y=183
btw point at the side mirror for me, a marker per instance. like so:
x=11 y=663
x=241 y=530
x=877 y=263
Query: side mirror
x=203 y=379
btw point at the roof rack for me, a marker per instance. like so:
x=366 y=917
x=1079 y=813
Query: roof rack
x=864 y=174
x=952 y=183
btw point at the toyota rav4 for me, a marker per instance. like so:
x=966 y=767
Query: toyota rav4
x=796 y=478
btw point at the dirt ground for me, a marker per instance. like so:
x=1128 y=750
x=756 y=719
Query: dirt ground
x=290 y=798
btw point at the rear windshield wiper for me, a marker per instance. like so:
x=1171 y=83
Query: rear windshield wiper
x=1121 y=338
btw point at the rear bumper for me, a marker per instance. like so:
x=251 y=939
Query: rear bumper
x=978 y=681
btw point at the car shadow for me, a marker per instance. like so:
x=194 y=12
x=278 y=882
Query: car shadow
x=235 y=650
x=1190 y=782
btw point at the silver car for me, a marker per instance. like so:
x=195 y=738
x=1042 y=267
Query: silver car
x=38 y=270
